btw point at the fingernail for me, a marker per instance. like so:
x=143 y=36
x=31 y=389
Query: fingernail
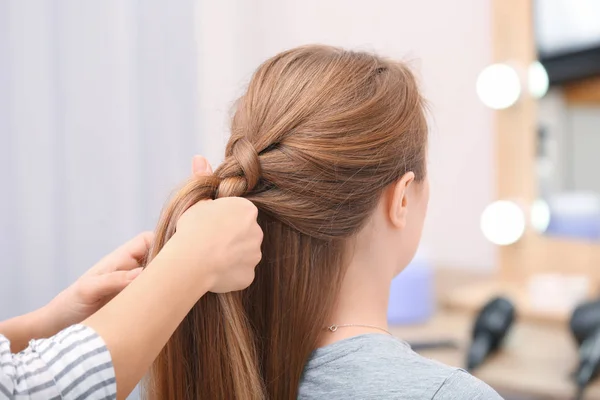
x=201 y=165
x=131 y=275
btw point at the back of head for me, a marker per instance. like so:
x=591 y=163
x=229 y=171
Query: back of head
x=318 y=136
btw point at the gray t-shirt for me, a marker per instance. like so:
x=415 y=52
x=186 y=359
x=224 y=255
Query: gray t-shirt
x=378 y=366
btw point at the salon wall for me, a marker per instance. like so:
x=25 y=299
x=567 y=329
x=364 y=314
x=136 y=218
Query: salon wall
x=98 y=124
x=447 y=43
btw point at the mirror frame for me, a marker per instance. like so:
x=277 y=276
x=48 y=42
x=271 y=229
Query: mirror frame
x=515 y=142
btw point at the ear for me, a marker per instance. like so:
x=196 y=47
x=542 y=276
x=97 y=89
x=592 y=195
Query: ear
x=398 y=207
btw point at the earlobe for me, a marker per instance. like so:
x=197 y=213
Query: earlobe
x=398 y=208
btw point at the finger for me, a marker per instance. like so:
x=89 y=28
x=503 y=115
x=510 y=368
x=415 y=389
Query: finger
x=109 y=285
x=139 y=246
x=132 y=253
x=200 y=166
x=126 y=257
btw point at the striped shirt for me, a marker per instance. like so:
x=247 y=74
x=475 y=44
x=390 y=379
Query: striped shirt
x=74 y=364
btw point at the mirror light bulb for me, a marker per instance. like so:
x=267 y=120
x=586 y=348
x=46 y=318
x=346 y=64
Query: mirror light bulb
x=498 y=86
x=540 y=215
x=537 y=80
x=503 y=222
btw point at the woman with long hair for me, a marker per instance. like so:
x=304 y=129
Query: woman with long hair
x=330 y=145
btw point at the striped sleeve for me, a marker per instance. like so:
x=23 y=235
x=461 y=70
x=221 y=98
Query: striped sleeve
x=72 y=365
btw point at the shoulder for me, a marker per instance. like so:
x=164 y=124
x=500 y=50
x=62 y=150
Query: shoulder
x=462 y=385
x=376 y=366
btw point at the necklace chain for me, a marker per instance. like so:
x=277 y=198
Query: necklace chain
x=335 y=327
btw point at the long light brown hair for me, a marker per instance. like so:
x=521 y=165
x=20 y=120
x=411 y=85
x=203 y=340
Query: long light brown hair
x=317 y=137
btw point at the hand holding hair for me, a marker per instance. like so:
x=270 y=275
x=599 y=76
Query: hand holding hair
x=216 y=247
x=87 y=295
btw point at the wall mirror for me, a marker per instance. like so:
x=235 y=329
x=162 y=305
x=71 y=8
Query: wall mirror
x=567 y=39
x=547 y=145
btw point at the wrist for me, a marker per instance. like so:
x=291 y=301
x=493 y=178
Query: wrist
x=48 y=320
x=189 y=261
x=34 y=325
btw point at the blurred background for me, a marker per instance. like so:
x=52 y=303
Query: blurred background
x=104 y=103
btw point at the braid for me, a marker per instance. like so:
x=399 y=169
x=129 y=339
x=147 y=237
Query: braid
x=241 y=170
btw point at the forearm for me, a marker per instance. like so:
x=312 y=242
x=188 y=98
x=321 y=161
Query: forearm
x=35 y=325
x=137 y=323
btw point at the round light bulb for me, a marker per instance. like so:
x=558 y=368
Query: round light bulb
x=538 y=81
x=540 y=215
x=498 y=86
x=503 y=222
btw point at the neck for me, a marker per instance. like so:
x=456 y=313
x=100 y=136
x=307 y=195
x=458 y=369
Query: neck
x=363 y=297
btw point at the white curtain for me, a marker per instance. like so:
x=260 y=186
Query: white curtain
x=98 y=123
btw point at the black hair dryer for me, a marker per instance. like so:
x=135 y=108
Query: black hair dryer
x=585 y=320
x=491 y=327
x=585 y=326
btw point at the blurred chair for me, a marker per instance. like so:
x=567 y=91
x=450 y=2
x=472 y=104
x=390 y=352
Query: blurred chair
x=574 y=215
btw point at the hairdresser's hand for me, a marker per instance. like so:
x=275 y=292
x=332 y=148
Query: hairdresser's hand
x=101 y=283
x=231 y=236
x=83 y=298
x=220 y=238
x=109 y=276
x=240 y=243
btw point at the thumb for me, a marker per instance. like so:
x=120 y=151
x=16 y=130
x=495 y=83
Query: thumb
x=113 y=283
x=200 y=166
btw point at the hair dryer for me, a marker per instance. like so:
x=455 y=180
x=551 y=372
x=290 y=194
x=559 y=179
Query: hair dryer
x=585 y=320
x=491 y=327
x=589 y=361
x=585 y=326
